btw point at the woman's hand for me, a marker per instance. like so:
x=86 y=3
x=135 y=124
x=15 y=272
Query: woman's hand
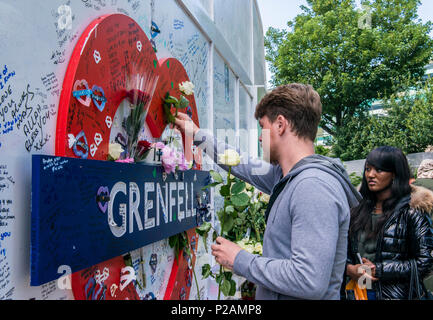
x=358 y=270
x=370 y=265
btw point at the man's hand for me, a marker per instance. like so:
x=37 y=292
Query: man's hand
x=225 y=252
x=185 y=125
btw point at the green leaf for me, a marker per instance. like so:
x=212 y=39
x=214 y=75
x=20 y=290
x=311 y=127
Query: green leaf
x=211 y=185
x=232 y=291
x=225 y=287
x=241 y=209
x=219 y=278
x=206 y=271
x=220 y=214
x=173 y=241
x=214 y=236
x=171 y=100
x=238 y=187
x=216 y=176
x=184 y=103
x=225 y=191
x=240 y=200
x=230 y=209
x=204 y=228
x=228 y=275
x=228 y=224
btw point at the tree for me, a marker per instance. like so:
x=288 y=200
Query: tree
x=407 y=125
x=348 y=63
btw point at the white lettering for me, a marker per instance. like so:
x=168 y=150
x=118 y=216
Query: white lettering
x=133 y=207
x=160 y=201
x=117 y=231
x=180 y=213
x=148 y=204
x=173 y=187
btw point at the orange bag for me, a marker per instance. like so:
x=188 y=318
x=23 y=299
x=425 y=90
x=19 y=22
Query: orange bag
x=360 y=294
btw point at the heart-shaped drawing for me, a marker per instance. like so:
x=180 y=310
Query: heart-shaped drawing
x=97 y=56
x=108 y=122
x=93 y=149
x=113 y=289
x=81 y=89
x=102 y=198
x=81 y=148
x=98 y=139
x=98 y=97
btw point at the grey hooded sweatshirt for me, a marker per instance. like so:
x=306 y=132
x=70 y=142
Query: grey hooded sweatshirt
x=305 y=241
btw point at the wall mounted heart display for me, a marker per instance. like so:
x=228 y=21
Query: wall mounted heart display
x=96 y=58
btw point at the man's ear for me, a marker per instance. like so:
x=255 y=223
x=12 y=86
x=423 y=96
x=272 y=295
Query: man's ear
x=282 y=125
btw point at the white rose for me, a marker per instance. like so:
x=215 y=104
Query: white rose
x=229 y=158
x=114 y=150
x=258 y=248
x=249 y=248
x=186 y=88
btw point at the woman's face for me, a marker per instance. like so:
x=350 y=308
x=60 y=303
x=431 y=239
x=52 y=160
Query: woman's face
x=377 y=180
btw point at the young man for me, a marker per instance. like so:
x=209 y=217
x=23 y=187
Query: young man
x=305 y=242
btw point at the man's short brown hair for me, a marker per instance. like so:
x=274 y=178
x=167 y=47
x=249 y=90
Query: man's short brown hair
x=298 y=103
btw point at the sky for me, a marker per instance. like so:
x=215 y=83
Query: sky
x=276 y=13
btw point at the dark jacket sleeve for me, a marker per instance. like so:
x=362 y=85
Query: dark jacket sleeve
x=420 y=242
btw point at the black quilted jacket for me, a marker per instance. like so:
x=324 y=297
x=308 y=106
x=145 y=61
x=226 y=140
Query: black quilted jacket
x=407 y=234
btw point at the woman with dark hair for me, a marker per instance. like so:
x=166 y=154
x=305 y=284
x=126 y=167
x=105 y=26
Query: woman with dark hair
x=388 y=231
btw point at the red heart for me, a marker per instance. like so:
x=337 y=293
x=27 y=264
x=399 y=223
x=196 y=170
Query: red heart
x=110 y=76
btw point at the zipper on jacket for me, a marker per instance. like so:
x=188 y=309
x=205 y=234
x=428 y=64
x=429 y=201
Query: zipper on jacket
x=380 y=240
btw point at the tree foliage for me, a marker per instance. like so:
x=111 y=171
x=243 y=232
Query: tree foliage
x=407 y=125
x=349 y=63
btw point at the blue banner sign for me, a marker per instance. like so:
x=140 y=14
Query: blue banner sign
x=86 y=211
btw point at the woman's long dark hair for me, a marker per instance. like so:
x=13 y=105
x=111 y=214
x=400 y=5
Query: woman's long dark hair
x=388 y=159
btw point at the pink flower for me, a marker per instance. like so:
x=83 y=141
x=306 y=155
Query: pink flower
x=169 y=159
x=159 y=145
x=128 y=160
x=183 y=165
